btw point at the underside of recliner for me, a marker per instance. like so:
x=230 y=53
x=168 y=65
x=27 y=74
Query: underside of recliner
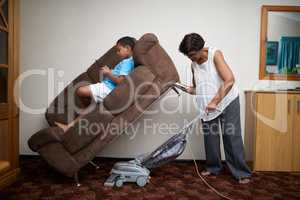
x=69 y=151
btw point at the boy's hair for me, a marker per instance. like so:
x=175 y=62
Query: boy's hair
x=124 y=41
x=191 y=42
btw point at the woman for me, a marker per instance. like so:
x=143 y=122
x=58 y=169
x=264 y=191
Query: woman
x=218 y=96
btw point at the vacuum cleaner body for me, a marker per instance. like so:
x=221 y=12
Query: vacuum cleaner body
x=131 y=171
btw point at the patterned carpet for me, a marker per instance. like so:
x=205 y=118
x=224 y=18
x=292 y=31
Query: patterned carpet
x=177 y=180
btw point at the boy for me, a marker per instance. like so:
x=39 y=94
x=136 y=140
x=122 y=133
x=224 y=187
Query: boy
x=99 y=91
x=218 y=96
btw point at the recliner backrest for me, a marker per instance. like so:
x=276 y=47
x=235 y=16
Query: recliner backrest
x=148 y=52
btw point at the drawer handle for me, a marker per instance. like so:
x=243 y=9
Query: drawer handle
x=298 y=106
x=289 y=106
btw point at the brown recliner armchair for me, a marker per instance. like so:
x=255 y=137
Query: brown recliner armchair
x=69 y=151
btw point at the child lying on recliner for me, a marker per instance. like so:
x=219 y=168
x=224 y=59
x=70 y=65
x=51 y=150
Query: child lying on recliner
x=99 y=91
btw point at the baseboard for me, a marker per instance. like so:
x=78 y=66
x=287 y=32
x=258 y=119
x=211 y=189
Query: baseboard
x=24 y=156
x=8 y=178
x=114 y=159
x=31 y=156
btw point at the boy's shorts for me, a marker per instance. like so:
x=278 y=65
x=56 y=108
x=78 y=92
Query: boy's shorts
x=99 y=91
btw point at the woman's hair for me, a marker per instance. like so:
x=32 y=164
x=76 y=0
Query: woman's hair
x=191 y=42
x=124 y=41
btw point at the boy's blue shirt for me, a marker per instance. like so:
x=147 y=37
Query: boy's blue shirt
x=122 y=68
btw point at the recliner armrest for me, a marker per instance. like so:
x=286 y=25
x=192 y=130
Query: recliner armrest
x=45 y=136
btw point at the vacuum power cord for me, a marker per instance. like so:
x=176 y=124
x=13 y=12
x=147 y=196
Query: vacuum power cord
x=203 y=179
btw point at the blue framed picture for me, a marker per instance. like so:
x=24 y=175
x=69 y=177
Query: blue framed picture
x=272 y=53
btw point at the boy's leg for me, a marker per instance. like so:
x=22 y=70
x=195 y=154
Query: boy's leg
x=211 y=132
x=233 y=142
x=98 y=92
x=82 y=92
x=85 y=94
x=65 y=127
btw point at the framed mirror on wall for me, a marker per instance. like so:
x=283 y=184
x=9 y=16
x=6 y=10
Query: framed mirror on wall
x=280 y=43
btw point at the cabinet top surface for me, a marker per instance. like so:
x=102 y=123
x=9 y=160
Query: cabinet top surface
x=274 y=91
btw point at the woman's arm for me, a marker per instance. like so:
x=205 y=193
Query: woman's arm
x=192 y=90
x=226 y=74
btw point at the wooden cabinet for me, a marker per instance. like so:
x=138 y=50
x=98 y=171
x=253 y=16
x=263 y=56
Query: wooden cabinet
x=9 y=69
x=296 y=134
x=272 y=133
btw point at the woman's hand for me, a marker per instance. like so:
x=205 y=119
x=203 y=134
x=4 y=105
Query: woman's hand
x=190 y=90
x=211 y=107
x=105 y=70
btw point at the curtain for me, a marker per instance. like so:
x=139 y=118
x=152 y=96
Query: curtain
x=289 y=53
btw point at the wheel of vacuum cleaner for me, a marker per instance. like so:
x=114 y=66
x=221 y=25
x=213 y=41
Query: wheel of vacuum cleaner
x=141 y=181
x=119 y=183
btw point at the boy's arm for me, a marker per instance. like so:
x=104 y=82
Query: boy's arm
x=226 y=74
x=125 y=68
x=108 y=73
x=116 y=79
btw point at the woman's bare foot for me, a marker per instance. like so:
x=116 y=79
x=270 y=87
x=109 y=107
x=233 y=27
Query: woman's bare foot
x=205 y=173
x=244 y=180
x=62 y=126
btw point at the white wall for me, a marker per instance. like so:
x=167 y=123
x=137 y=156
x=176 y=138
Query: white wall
x=69 y=35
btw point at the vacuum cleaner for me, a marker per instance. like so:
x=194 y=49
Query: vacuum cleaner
x=138 y=170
